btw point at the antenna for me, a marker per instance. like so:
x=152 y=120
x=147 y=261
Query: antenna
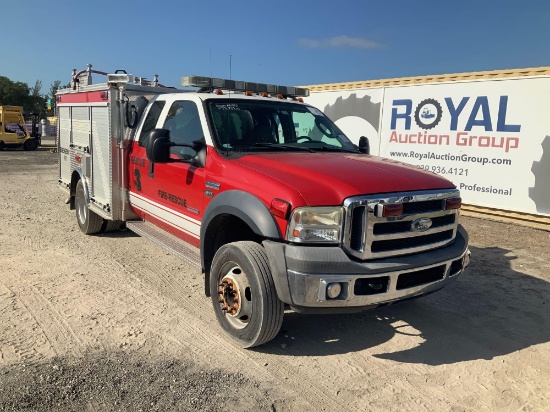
x=230 y=56
x=210 y=62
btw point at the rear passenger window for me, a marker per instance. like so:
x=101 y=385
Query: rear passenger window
x=150 y=121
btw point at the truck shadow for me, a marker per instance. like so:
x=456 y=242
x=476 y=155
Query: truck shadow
x=119 y=234
x=492 y=310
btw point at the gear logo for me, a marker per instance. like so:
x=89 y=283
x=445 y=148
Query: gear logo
x=363 y=108
x=428 y=114
x=540 y=193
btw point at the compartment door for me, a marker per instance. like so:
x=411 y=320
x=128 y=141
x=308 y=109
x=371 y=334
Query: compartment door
x=102 y=182
x=64 y=144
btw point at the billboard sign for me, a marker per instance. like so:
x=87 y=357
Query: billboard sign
x=491 y=138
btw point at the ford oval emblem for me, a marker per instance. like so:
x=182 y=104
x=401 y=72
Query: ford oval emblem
x=422 y=224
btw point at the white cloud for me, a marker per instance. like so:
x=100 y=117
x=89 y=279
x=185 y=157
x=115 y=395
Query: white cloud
x=339 y=42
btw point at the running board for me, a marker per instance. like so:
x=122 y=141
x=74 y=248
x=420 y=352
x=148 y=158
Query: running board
x=166 y=241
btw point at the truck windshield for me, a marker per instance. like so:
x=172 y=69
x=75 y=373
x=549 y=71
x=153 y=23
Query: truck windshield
x=257 y=126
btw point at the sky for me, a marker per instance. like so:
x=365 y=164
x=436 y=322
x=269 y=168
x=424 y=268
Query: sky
x=298 y=42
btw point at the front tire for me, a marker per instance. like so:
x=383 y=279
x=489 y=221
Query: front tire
x=88 y=221
x=30 y=144
x=243 y=294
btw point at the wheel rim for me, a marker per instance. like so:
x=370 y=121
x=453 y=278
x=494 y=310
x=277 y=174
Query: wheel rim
x=81 y=209
x=234 y=296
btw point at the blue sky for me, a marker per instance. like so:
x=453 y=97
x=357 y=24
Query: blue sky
x=285 y=42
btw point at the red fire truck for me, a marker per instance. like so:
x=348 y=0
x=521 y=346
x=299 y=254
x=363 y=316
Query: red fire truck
x=262 y=191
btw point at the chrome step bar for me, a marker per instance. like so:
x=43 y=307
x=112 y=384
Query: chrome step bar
x=166 y=241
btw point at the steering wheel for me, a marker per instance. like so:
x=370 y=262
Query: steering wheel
x=298 y=138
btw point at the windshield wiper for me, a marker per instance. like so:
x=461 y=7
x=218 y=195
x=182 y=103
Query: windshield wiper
x=337 y=149
x=284 y=146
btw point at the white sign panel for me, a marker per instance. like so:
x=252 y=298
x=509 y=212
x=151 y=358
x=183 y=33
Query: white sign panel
x=355 y=112
x=491 y=138
x=487 y=137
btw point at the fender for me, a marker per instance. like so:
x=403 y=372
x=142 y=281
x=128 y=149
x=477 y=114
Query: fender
x=246 y=207
x=74 y=181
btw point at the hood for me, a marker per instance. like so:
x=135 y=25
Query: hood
x=329 y=178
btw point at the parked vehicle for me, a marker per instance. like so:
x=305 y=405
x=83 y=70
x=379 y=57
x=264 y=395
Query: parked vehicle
x=262 y=191
x=13 y=132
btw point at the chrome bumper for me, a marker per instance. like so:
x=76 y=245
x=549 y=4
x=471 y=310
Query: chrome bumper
x=302 y=275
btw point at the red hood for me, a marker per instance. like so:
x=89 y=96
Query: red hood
x=329 y=178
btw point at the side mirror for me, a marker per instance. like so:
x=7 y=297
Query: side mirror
x=157 y=149
x=158 y=146
x=199 y=160
x=364 y=146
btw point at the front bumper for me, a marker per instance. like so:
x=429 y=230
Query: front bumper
x=303 y=273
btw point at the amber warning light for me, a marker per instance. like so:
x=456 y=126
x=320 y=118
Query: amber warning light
x=390 y=209
x=453 y=203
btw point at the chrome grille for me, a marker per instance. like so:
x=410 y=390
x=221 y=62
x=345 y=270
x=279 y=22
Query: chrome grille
x=367 y=236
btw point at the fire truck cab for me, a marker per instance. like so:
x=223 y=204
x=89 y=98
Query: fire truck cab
x=262 y=192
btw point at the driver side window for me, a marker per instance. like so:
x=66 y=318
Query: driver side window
x=185 y=127
x=150 y=121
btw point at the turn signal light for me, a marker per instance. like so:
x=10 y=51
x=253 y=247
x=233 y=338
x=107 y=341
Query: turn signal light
x=279 y=208
x=453 y=203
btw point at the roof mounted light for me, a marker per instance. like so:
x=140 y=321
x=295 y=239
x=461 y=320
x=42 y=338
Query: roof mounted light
x=197 y=81
x=120 y=78
x=211 y=83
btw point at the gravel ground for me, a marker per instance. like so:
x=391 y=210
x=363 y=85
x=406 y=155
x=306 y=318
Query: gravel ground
x=111 y=322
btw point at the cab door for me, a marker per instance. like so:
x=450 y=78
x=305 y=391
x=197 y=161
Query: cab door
x=170 y=195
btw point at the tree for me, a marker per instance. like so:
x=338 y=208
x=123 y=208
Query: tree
x=35 y=91
x=13 y=93
x=51 y=96
x=53 y=89
x=19 y=94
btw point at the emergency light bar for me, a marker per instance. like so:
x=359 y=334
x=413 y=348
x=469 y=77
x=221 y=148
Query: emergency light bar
x=211 y=83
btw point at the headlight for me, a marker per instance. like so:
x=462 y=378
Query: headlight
x=315 y=224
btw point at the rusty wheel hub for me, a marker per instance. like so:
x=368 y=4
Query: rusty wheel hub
x=229 y=295
x=235 y=297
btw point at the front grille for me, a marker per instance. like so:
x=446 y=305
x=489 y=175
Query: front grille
x=424 y=224
x=410 y=242
x=422 y=207
x=398 y=227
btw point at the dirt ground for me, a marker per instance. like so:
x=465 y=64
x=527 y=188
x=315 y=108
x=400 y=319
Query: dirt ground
x=111 y=322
